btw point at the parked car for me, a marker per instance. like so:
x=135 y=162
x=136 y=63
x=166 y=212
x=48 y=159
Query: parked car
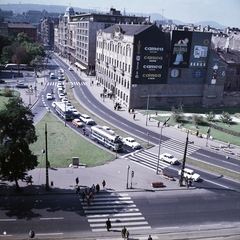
x=169 y=158
x=49 y=96
x=190 y=174
x=21 y=85
x=2 y=81
x=77 y=122
x=86 y=119
x=70 y=69
x=76 y=113
x=53 y=104
x=131 y=142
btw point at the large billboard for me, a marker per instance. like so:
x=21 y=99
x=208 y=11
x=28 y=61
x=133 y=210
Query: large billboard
x=200 y=50
x=180 y=49
x=149 y=61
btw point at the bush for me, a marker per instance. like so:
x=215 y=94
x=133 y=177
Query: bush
x=225 y=117
x=197 y=119
x=210 y=116
x=177 y=113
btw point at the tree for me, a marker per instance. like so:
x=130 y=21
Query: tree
x=197 y=119
x=210 y=116
x=16 y=133
x=225 y=117
x=177 y=113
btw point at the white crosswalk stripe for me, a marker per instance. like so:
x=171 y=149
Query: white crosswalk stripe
x=119 y=207
x=73 y=83
x=147 y=159
x=178 y=146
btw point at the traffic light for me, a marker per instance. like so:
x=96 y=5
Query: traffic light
x=132 y=174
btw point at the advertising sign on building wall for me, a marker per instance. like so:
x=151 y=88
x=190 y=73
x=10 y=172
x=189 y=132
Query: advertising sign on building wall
x=149 y=58
x=200 y=48
x=180 y=49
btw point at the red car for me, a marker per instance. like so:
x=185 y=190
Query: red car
x=77 y=122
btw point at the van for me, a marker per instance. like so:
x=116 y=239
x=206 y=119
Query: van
x=190 y=174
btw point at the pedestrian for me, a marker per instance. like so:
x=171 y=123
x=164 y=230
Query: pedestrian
x=186 y=181
x=97 y=188
x=91 y=195
x=129 y=110
x=77 y=190
x=149 y=118
x=77 y=181
x=132 y=110
x=103 y=183
x=197 y=133
x=93 y=188
x=158 y=123
x=108 y=224
x=124 y=230
x=88 y=201
x=228 y=145
x=149 y=238
x=134 y=116
x=127 y=233
x=29 y=180
x=83 y=195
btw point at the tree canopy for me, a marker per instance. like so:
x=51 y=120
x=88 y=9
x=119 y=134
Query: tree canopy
x=16 y=133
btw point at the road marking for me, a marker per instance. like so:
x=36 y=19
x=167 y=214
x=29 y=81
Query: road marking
x=216 y=183
x=7 y=220
x=46 y=234
x=58 y=218
x=231 y=163
x=167 y=228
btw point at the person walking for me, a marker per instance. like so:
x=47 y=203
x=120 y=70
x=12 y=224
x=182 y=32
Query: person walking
x=108 y=224
x=124 y=230
x=158 y=123
x=83 y=195
x=134 y=116
x=97 y=188
x=149 y=238
x=77 y=181
x=103 y=183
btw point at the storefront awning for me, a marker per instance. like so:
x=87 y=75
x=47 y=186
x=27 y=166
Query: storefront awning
x=80 y=66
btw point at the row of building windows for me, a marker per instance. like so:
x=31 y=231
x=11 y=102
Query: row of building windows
x=82 y=32
x=117 y=48
x=82 y=25
x=82 y=45
x=114 y=62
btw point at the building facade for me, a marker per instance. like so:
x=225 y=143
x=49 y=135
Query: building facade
x=140 y=64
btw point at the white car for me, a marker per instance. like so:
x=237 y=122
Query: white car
x=52 y=75
x=131 y=142
x=70 y=69
x=190 y=174
x=169 y=158
x=86 y=119
x=61 y=95
x=49 y=96
x=76 y=113
x=53 y=104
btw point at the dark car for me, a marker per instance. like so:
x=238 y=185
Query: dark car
x=21 y=85
x=2 y=81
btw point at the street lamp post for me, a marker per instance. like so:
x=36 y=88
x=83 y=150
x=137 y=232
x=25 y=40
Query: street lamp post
x=47 y=163
x=65 y=113
x=160 y=140
x=147 y=105
x=128 y=167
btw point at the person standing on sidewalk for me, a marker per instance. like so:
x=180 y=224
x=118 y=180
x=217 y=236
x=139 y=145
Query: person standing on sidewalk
x=134 y=116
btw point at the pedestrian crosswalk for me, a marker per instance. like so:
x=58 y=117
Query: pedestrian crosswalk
x=179 y=146
x=72 y=83
x=150 y=159
x=119 y=207
x=147 y=159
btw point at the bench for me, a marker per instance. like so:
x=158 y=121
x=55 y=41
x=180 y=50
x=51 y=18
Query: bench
x=227 y=151
x=214 y=147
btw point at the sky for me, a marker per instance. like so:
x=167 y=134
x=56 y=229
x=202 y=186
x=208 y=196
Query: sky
x=224 y=12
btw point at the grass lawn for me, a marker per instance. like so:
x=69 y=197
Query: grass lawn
x=216 y=134
x=63 y=144
x=4 y=99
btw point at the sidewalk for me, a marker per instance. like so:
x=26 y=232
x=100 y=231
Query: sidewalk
x=152 y=125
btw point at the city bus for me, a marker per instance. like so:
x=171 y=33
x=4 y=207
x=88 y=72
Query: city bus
x=106 y=137
x=14 y=66
x=64 y=111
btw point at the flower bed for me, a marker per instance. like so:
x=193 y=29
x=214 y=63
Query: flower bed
x=157 y=184
x=169 y=177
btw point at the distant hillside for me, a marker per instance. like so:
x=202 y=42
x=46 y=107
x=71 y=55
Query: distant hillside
x=20 y=8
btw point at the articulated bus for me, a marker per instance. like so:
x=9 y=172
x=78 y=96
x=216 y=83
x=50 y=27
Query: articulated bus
x=107 y=138
x=14 y=66
x=64 y=111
